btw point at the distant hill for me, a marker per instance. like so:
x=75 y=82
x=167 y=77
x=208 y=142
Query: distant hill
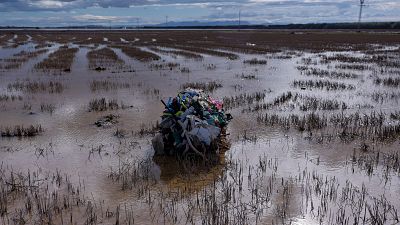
x=200 y=24
x=246 y=25
x=365 y=25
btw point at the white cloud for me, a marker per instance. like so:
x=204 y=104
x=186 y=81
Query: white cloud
x=47 y=4
x=97 y=18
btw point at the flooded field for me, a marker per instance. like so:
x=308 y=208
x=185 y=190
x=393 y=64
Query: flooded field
x=314 y=139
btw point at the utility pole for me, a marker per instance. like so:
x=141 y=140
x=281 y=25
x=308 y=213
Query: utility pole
x=166 y=20
x=240 y=11
x=362 y=4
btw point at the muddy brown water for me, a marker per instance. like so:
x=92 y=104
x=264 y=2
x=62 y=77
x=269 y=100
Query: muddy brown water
x=301 y=179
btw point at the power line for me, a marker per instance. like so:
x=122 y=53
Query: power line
x=362 y=4
x=240 y=11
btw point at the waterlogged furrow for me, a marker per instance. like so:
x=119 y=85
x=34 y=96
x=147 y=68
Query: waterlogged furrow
x=58 y=61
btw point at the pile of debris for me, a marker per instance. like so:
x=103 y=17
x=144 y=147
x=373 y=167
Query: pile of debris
x=191 y=127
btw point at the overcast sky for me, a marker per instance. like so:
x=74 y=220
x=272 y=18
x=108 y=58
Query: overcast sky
x=129 y=12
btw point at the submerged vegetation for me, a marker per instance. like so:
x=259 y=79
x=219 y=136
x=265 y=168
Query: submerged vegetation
x=138 y=53
x=106 y=85
x=322 y=84
x=36 y=87
x=18 y=59
x=255 y=61
x=391 y=82
x=186 y=54
x=103 y=105
x=308 y=71
x=208 y=51
x=104 y=58
x=5 y=98
x=21 y=131
x=342 y=126
x=208 y=87
x=58 y=61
